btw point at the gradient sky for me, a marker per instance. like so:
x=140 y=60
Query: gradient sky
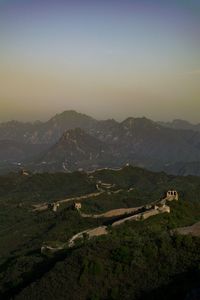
x=106 y=58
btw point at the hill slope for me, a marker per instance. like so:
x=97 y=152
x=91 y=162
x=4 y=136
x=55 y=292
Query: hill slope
x=133 y=261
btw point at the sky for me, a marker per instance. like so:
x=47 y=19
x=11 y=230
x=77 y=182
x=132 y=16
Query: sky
x=106 y=58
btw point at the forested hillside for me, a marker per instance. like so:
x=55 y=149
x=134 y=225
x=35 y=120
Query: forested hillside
x=135 y=260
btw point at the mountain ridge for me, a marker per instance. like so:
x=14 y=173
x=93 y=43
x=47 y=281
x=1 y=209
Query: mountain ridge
x=138 y=141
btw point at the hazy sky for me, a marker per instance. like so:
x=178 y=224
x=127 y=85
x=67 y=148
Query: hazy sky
x=106 y=58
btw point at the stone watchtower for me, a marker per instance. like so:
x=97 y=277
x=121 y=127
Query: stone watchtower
x=54 y=206
x=77 y=205
x=172 y=195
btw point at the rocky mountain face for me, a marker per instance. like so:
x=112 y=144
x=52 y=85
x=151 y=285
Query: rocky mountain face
x=107 y=143
x=76 y=150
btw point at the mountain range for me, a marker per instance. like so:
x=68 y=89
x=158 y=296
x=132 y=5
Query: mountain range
x=181 y=124
x=71 y=141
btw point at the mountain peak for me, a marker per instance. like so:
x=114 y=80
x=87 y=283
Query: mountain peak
x=70 y=115
x=141 y=122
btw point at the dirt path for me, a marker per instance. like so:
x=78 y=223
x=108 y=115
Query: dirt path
x=193 y=230
x=101 y=230
x=40 y=207
x=111 y=213
x=79 y=198
x=44 y=206
x=137 y=217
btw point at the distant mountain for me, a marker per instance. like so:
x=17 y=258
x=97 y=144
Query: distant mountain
x=142 y=140
x=151 y=140
x=51 y=131
x=106 y=143
x=13 y=151
x=48 y=132
x=74 y=150
x=183 y=168
x=18 y=131
x=181 y=124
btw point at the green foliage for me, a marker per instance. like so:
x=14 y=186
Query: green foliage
x=115 y=269
x=133 y=260
x=44 y=187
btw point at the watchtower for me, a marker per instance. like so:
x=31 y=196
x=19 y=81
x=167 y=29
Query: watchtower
x=77 y=205
x=172 y=195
